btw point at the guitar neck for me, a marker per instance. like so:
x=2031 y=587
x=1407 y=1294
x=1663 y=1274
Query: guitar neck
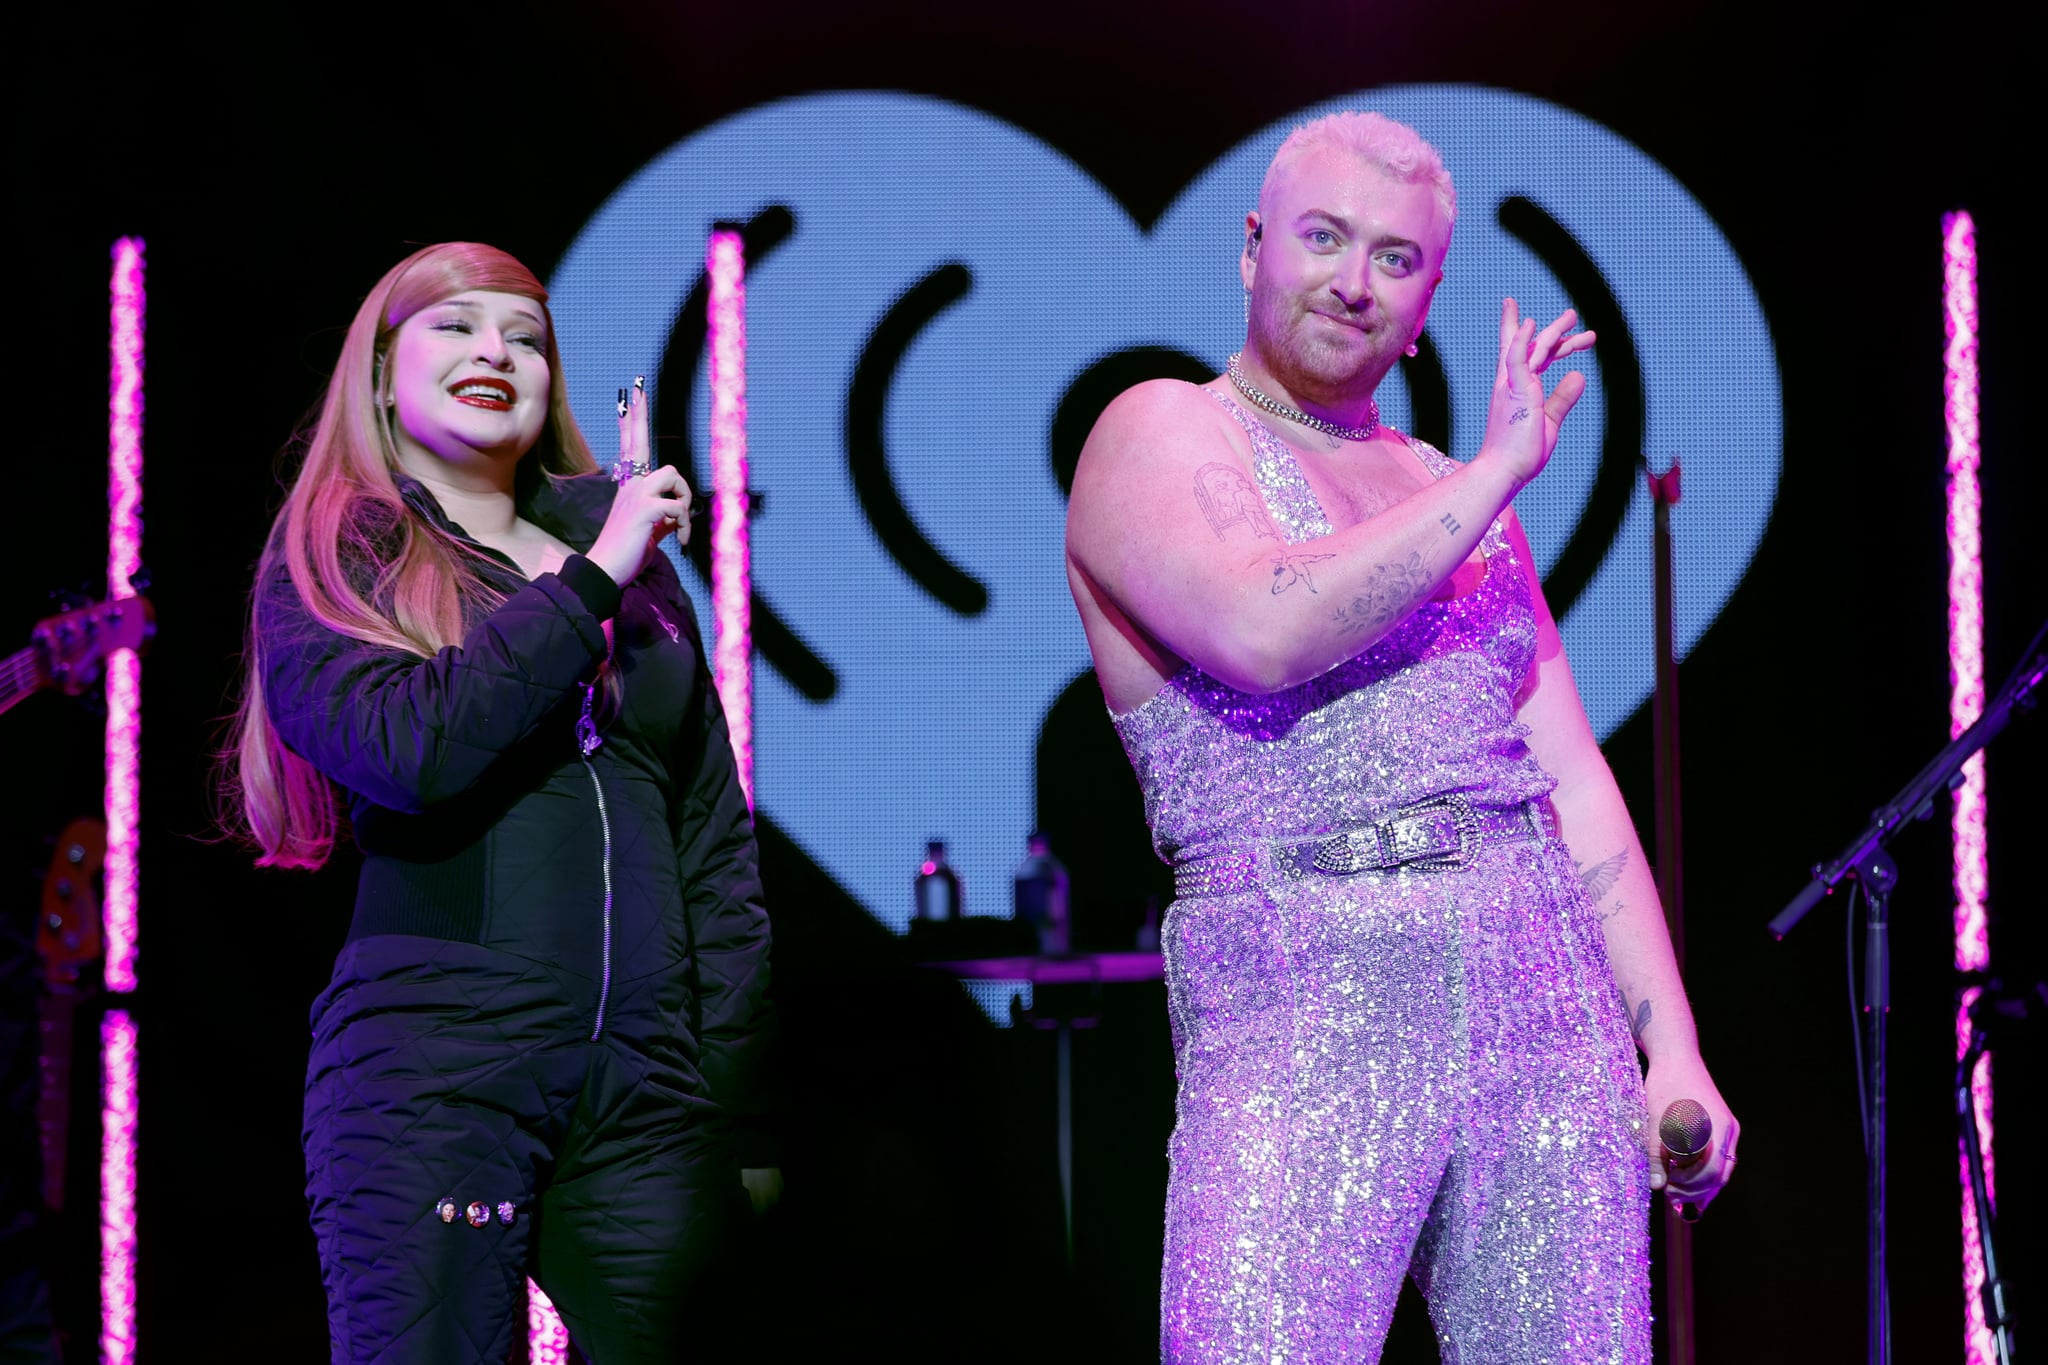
x=19 y=677
x=70 y=652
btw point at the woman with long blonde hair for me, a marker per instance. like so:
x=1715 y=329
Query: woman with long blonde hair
x=540 y=1050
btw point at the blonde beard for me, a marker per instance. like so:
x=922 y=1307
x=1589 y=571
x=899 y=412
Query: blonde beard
x=1289 y=359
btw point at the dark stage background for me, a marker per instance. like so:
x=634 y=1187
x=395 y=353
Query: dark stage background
x=279 y=164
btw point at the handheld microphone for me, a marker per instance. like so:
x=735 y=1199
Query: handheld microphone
x=1686 y=1131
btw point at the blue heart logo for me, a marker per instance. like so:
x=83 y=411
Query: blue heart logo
x=933 y=295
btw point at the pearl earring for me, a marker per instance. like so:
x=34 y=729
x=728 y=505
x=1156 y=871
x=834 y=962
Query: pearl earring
x=1411 y=350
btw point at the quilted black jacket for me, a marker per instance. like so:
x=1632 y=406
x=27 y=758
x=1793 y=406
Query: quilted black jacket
x=480 y=820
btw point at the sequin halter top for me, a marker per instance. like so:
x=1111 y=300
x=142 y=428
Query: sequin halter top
x=1428 y=710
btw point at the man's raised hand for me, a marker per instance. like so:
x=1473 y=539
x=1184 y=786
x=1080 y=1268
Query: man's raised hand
x=1522 y=422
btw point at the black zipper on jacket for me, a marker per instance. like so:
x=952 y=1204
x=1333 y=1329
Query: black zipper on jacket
x=587 y=742
x=422 y=501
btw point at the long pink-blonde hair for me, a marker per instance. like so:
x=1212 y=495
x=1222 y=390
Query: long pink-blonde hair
x=363 y=563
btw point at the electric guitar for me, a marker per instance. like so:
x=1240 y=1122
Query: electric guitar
x=67 y=943
x=69 y=652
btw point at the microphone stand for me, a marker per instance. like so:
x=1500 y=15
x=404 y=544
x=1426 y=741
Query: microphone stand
x=1664 y=493
x=1866 y=859
x=1996 y=1316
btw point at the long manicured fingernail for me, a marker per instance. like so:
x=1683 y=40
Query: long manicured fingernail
x=622 y=402
x=640 y=382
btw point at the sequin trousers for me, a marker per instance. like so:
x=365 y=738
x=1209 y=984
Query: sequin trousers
x=1400 y=1072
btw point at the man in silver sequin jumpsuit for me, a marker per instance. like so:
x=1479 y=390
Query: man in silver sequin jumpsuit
x=1415 y=944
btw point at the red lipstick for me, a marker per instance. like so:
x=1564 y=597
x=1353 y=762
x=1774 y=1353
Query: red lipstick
x=492 y=395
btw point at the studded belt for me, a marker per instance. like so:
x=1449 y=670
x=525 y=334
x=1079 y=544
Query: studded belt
x=1439 y=834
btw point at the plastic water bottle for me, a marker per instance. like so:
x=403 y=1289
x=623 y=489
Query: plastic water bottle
x=1041 y=891
x=936 y=887
x=1148 y=932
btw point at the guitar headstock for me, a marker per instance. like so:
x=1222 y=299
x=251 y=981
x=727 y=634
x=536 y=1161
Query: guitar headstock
x=68 y=929
x=71 y=650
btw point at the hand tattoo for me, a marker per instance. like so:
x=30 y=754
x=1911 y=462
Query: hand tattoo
x=1450 y=523
x=1599 y=879
x=1291 y=569
x=1520 y=415
x=1228 y=498
x=1394 y=589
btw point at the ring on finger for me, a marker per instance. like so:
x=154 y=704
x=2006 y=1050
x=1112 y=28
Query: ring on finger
x=628 y=469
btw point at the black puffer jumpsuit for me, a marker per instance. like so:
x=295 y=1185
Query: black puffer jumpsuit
x=542 y=1050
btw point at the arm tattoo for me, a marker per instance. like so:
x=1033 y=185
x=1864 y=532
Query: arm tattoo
x=1450 y=524
x=1600 y=878
x=1291 y=569
x=1393 y=590
x=1228 y=498
x=1638 y=1018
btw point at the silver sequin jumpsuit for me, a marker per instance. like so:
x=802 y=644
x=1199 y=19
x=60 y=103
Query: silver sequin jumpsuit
x=1393 y=1072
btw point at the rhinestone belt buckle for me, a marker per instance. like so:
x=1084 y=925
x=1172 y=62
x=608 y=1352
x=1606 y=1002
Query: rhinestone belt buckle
x=1354 y=850
x=1440 y=833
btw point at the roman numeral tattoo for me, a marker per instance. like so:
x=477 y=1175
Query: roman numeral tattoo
x=1450 y=523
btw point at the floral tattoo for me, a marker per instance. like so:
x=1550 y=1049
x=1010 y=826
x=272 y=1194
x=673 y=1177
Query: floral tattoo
x=1387 y=598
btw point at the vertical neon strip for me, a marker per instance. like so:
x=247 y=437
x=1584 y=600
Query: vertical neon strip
x=119 y=1104
x=1966 y=704
x=731 y=565
x=124 y=561
x=547 y=1339
x=117 y=1187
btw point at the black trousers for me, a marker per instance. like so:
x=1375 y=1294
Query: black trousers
x=451 y=1072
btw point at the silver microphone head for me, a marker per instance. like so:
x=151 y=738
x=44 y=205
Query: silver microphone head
x=1686 y=1129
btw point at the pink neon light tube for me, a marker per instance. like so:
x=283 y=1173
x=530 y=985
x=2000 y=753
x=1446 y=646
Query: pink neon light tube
x=117 y=1187
x=119 y=1037
x=1966 y=704
x=731 y=562
x=124 y=561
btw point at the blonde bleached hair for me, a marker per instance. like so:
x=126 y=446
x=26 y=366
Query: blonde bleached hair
x=363 y=563
x=1377 y=140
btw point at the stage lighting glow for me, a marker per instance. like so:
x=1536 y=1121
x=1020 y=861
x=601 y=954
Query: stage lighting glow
x=731 y=567
x=1966 y=704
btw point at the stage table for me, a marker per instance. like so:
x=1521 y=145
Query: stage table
x=1093 y=970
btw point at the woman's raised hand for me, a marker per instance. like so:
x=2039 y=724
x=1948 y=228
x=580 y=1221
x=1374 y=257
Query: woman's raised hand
x=1521 y=422
x=652 y=500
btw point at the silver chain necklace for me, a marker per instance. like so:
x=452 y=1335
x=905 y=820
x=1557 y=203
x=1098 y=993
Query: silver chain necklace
x=1280 y=409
